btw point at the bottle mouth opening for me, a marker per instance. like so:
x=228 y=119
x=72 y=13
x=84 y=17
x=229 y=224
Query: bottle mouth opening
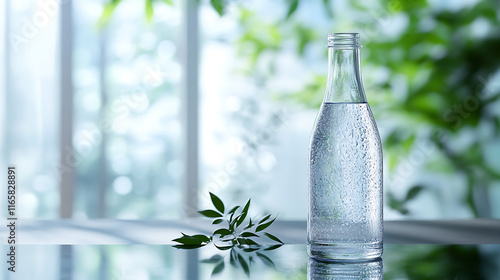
x=347 y=40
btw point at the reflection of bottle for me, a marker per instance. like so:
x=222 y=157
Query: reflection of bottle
x=345 y=164
x=345 y=270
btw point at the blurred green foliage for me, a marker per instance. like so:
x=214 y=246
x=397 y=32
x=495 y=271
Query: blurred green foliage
x=435 y=262
x=439 y=85
x=432 y=79
x=111 y=5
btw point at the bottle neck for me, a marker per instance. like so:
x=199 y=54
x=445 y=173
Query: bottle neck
x=344 y=74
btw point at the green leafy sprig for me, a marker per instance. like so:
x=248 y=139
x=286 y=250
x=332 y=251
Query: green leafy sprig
x=234 y=233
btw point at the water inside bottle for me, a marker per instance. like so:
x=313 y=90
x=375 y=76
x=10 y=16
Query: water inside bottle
x=345 y=208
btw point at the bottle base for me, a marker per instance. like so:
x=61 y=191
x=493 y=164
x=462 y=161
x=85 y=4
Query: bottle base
x=345 y=251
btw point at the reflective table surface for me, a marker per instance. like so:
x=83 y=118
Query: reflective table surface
x=122 y=262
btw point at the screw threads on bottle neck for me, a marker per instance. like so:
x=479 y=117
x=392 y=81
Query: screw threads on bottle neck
x=343 y=40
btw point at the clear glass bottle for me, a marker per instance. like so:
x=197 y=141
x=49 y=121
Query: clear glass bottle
x=345 y=219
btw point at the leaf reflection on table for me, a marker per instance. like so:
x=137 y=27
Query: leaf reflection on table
x=241 y=257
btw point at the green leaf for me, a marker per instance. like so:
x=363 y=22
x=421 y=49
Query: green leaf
x=250 y=224
x=413 y=192
x=188 y=240
x=270 y=236
x=239 y=220
x=264 y=226
x=187 y=247
x=108 y=10
x=233 y=257
x=244 y=213
x=328 y=8
x=202 y=237
x=219 y=205
x=305 y=35
x=210 y=213
x=244 y=265
x=248 y=234
x=168 y=2
x=251 y=249
x=264 y=219
x=223 y=232
x=217 y=221
x=273 y=247
x=266 y=260
x=232 y=224
x=213 y=259
x=149 y=10
x=251 y=242
x=292 y=8
x=233 y=210
x=241 y=241
x=407 y=144
x=219 y=6
x=218 y=268
x=228 y=239
x=223 y=248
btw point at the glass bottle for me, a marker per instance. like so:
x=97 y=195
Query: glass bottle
x=345 y=220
